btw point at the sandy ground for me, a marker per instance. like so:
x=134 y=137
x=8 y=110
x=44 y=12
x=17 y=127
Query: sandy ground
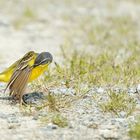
x=47 y=33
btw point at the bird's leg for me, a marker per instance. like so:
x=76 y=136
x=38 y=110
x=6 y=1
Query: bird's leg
x=24 y=107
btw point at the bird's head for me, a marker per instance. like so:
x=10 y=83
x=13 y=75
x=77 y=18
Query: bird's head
x=44 y=58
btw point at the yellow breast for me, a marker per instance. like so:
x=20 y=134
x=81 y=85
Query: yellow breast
x=36 y=72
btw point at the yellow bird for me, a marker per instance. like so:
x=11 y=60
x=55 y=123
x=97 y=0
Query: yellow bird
x=25 y=70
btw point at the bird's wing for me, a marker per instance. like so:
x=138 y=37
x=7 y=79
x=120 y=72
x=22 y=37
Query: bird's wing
x=20 y=76
x=14 y=65
x=18 y=85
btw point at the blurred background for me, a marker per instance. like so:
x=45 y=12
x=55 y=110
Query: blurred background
x=96 y=90
x=95 y=26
